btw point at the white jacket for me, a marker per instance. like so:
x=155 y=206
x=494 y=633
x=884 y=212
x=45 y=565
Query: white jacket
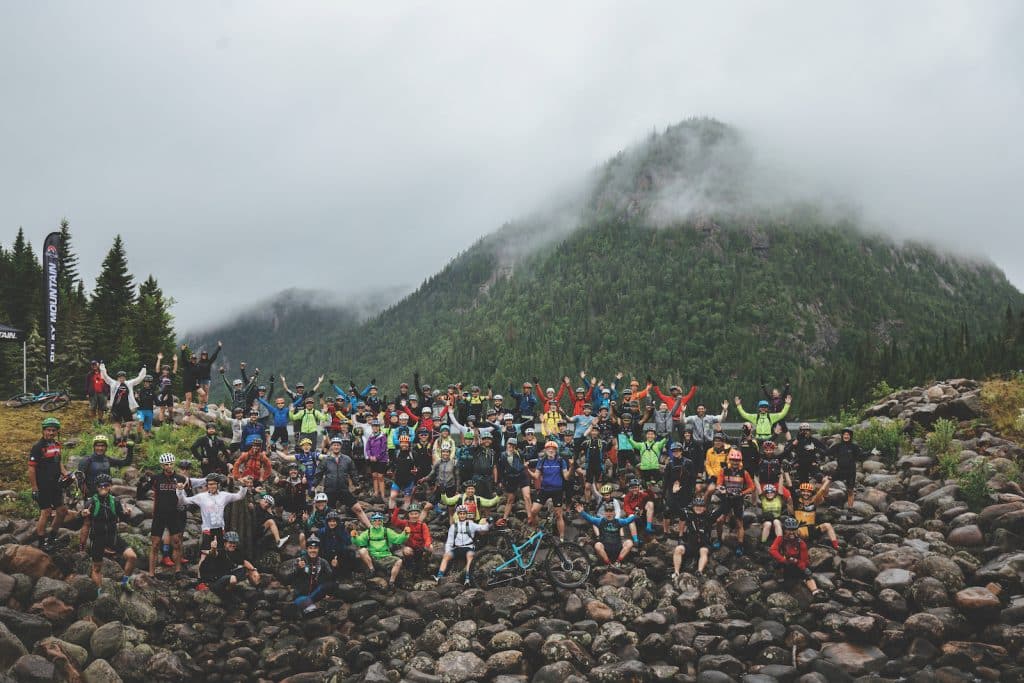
x=211 y=507
x=112 y=383
x=461 y=535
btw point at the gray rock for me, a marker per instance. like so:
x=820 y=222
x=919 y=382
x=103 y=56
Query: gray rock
x=629 y=671
x=166 y=666
x=944 y=569
x=79 y=633
x=100 y=671
x=893 y=579
x=46 y=587
x=11 y=648
x=554 y=673
x=107 y=640
x=458 y=667
x=860 y=568
x=854 y=659
x=33 y=669
x=29 y=628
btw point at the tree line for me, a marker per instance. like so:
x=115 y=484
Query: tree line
x=116 y=320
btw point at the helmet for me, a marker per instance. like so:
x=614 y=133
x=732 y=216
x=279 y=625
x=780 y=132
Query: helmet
x=606 y=390
x=213 y=477
x=629 y=416
x=790 y=524
x=103 y=480
x=422 y=432
x=445 y=428
x=425 y=388
x=513 y=441
x=475 y=388
x=486 y=434
x=551 y=443
x=404 y=438
x=51 y=422
x=446 y=448
x=210 y=425
x=580 y=390
x=231 y=537
x=427 y=409
x=435 y=393
x=334 y=439
x=334 y=514
x=735 y=455
x=507 y=416
x=167 y=458
x=306 y=441
x=253 y=439
x=375 y=422
x=606 y=489
x=530 y=430
x=100 y=438
x=320 y=497
x=698 y=502
x=270 y=500
x=676 y=446
x=122 y=373
x=499 y=397
x=567 y=432
x=549 y=391
x=807 y=486
x=527 y=385
x=649 y=430
x=262 y=387
x=300 y=385
x=293 y=466
x=254 y=413
x=769 y=445
x=313 y=542
x=770 y=488
x=634 y=482
x=147 y=378
x=236 y=382
x=468 y=434
x=762 y=404
x=674 y=387
x=719 y=436
x=846 y=430
x=185 y=464
x=805 y=426
x=627 y=392
x=469 y=483
x=377 y=517
x=461 y=509
x=415 y=507
x=403 y=385
x=608 y=507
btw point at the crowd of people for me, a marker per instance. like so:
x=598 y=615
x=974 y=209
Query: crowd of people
x=353 y=478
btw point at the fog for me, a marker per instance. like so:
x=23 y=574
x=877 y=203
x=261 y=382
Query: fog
x=243 y=148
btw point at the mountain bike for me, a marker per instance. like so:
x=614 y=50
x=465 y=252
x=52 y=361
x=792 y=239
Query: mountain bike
x=61 y=400
x=566 y=564
x=27 y=399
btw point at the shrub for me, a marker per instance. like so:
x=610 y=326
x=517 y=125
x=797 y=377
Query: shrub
x=1003 y=401
x=949 y=464
x=974 y=486
x=881 y=390
x=885 y=436
x=941 y=438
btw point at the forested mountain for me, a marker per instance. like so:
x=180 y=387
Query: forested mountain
x=673 y=267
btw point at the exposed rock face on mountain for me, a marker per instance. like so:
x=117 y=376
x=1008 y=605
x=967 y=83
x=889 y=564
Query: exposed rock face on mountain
x=925 y=589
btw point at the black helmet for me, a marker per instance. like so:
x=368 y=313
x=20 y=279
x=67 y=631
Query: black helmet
x=232 y=537
x=313 y=542
x=103 y=480
x=334 y=514
x=147 y=378
x=790 y=524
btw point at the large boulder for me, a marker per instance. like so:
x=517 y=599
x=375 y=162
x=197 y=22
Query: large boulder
x=29 y=628
x=107 y=640
x=33 y=669
x=854 y=659
x=944 y=569
x=28 y=560
x=11 y=648
x=459 y=667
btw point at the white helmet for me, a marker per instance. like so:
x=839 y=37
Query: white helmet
x=498 y=397
x=426 y=409
x=507 y=416
x=320 y=497
x=270 y=500
x=167 y=458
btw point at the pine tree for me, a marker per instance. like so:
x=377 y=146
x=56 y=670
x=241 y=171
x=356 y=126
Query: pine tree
x=23 y=288
x=113 y=301
x=68 y=273
x=153 y=322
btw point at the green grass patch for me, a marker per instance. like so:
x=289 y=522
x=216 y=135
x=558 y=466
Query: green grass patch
x=940 y=440
x=974 y=486
x=1004 y=406
x=885 y=436
x=19 y=507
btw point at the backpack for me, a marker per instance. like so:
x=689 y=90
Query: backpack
x=96 y=505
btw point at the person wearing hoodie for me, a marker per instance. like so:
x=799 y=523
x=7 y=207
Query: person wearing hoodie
x=122 y=400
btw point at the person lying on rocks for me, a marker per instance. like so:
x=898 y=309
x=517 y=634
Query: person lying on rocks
x=375 y=547
x=106 y=511
x=790 y=554
x=610 y=546
x=313 y=579
x=224 y=567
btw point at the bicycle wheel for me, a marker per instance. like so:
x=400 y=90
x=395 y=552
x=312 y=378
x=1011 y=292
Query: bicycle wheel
x=17 y=400
x=55 y=403
x=488 y=571
x=567 y=565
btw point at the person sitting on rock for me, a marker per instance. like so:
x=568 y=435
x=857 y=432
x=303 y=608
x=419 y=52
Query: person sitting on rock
x=313 y=579
x=314 y=520
x=106 y=511
x=461 y=542
x=805 y=510
x=375 y=547
x=790 y=552
x=733 y=486
x=638 y=503
x=264 y=518
x=225 y=566
x=417 y=546
x=469 y=499
x=773 y=501
x=291 y=494
x=696 y=537
x=336 y=544
x=846 y=454
x=610 y=545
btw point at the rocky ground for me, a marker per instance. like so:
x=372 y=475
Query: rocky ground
x=925 y=590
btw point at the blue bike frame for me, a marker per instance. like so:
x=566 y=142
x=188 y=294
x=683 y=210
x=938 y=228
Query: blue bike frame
x=518 y=557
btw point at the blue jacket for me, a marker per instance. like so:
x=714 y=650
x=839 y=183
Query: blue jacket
x=258 y=429
x=599 y=401
x=280 y=415
x=525 y=403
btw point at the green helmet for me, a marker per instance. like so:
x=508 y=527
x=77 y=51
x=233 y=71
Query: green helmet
x=51 y=422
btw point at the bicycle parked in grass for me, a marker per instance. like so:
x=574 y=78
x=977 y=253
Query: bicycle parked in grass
x=566 y=564
x=48 y=400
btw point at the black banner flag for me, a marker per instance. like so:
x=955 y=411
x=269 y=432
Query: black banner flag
x=51 y=265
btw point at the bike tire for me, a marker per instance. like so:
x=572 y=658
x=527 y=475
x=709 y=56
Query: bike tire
x=55 y=403
x=486 y=574
x=17 y=400
x=567 y=565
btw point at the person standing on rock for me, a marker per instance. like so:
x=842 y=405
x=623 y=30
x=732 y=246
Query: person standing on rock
x=702 y=425
x=211 y=504
x=45 y=472
x=696 y=538
x=335 y=471
x=764 y=420
x=202 y=374
x=164 y=386
x=122 y=400
x=790 y=553
x=167 y=516
x=105 y=511
x=208 y=449
x=96 y=392
x=677 y=485
x=734 y=485
x=92 y=467
x=806 y=451
x=846 y=454
x=551 y=473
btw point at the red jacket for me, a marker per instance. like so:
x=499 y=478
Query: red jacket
x=784 y=548
x=553 y=403
x=419 y=533
x=577 y=403
x=671 y=400
x=249 y=465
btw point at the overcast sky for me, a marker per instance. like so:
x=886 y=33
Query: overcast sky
x=356 y=145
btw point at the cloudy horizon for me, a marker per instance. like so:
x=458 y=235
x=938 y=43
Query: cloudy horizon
x=328 y=146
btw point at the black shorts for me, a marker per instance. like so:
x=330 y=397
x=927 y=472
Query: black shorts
x=648 y=476
x=50 y=497
x=628 y=458
x=730 y=506
x=280 y=435
x=555 y=496
x=593 y=475
x=848 y=476
x=462 y=552
x=612 y=550
x=794 y=573
x=342 y=497
x=675 y=504
x=107 y=547
x=209 y=535
x=121 y=414
x=515 y=484
x=172 y=522
x=164 y=401
x=378 y=467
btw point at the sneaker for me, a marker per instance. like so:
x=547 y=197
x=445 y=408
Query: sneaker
x=675 y=576
x=167 y=561
x=616 y=565
x=126 y=583
x=716 y=545
x=467 y=580
x=438 y=577
x=310 y=608
x=284 y=539
x=739 y=551
x=202 y=587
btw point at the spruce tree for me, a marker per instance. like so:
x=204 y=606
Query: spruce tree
x=112 y=305
x=153 y=329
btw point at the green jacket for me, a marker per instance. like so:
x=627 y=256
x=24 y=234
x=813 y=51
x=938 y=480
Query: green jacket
x=650 y=453
x=379 y=541
x=311 y=419
x=763 y=422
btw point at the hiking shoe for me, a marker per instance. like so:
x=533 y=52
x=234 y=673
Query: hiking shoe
x=310 y=608
x=126 y=583
x=716 y=545
x=675 y=576
x=167 y=561
x=202 y=587
x=467 y=580
x=284 y=539
x=438 y=577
